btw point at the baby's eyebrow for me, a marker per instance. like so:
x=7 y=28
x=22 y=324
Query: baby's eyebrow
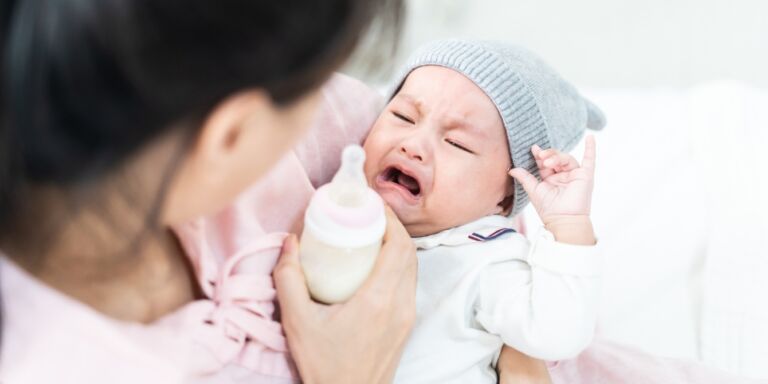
x=410 y=99
x=451 y=122
x=464 y=124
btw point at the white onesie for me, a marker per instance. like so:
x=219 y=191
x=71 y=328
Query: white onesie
x=482 y=285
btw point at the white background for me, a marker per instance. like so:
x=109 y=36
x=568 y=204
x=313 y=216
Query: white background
x=613 y=43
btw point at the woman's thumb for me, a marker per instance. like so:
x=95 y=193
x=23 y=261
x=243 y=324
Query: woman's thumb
x=290 y=284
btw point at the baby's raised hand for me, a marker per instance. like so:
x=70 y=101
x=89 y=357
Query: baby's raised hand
x=564 y=194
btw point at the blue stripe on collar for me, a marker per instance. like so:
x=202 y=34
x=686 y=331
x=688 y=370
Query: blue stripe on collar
x=499 y=232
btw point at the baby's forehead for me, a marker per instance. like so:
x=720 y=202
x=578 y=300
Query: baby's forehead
x=450 y=97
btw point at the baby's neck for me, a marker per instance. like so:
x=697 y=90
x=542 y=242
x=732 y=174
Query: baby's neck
x=420 y=230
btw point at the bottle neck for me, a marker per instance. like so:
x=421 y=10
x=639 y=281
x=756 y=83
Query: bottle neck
x=349 y=226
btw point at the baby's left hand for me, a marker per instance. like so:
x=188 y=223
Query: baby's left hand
x=565 y=189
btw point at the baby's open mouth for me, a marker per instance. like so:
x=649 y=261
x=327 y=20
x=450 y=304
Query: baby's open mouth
x=408 y=182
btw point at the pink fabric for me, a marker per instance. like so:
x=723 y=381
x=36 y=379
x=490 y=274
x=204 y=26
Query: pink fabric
x=605 y=362
x=236 y=324
x=231 y=335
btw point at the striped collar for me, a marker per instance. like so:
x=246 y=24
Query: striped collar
x=484 y=229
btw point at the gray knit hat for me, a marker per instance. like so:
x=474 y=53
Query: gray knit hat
x=536 y=105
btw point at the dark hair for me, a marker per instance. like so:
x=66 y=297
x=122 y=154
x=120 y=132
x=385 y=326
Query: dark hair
x=86 y=83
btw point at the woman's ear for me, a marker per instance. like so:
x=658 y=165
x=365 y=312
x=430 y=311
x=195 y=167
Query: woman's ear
x=207 y=178
x=239 y=141
x=224 y=130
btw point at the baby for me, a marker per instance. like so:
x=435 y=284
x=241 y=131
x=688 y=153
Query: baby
x=465 y=116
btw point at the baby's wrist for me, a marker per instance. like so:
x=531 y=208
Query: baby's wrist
x=571 y=229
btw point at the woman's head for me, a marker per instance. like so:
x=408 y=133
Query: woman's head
x=187 y=99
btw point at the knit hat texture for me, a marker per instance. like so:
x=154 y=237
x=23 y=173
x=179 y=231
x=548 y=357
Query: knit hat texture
x=536 y=105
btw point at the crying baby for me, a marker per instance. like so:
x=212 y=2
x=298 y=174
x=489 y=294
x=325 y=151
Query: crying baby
x=472 y=133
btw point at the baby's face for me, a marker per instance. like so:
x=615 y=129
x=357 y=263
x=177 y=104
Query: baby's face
x=438 y=153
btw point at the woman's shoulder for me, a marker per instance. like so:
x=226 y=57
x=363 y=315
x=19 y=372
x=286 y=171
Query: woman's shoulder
x=79 y=345
x=349 y=105
x=347 y=112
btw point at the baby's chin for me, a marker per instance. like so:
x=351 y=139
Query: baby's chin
x=413 y=218
x=416 y=221
x=421 y=229
x=405 y=212
x=408 y=214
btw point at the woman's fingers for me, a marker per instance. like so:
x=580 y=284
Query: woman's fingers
x=366 y=334
x=396 y=261
x=395 y=229
x=292 y=292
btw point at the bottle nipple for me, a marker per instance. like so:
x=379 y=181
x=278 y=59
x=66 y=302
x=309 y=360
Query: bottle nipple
x=346 y=212
x=349 y=186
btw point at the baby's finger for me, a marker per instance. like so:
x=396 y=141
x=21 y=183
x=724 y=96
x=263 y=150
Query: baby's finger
x=525 y=178
x=548 y=162
x=539 y=159
x=535 y=149
x=561 y=162
x=588 y=161
x=546 y=153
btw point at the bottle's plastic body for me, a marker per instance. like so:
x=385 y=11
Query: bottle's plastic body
x=343 y=228
x=334 y=274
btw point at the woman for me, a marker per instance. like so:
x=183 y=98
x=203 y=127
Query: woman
x=122 y=119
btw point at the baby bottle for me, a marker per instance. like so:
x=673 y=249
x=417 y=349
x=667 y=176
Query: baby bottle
x=343 y=228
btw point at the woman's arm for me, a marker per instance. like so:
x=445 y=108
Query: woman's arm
x=359 y=341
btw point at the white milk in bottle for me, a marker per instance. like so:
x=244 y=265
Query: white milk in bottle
x=343 y=228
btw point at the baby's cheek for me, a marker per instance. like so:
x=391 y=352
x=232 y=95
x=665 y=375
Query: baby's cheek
x=372 y=160
x=460 y=193
x=487 y=189
x=370 y=171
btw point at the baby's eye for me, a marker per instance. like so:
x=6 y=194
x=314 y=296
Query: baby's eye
x=403 y=118
x=459 y=146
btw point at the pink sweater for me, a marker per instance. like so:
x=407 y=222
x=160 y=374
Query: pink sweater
x=48 y=337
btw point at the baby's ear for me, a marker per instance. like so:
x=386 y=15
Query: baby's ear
x=509 y=197
x=506 y=204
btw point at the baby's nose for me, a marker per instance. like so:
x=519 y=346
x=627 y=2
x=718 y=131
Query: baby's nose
x=411 y=153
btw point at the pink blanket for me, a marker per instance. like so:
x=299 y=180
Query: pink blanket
x=604 y=362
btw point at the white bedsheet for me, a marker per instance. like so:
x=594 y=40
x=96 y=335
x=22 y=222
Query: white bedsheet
x=680 y=205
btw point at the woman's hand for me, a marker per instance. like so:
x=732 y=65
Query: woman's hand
x=515 y=367
x=359 y=341
x=563 y=198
